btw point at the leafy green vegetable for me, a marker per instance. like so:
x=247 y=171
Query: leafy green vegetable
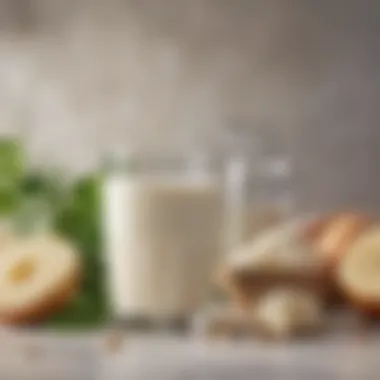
x=9 y=201
x=83 y=312
x=42 y=196
x=12 y=167
x=45 y=184
x=79 y=221
x=12 y=163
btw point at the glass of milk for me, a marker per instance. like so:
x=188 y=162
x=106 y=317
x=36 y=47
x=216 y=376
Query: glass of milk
x=162 y=223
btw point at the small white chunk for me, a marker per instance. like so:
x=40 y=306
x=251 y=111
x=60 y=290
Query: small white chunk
x=286 y=312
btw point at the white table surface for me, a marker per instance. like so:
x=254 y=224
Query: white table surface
x=27 y=355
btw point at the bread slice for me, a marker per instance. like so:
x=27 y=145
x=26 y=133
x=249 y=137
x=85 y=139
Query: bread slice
x=278 y=257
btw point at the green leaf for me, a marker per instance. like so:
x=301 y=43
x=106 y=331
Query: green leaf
x=11 y=171
x=45 y=184
x=82 y=312
x=33 y=215
x=9 y=201
x=79 y=221
x=12 y=163
x=42 y=194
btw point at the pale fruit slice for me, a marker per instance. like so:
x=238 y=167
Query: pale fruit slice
x=37 y=276
x=359 y=272
x=333 y=237
x=338 y=235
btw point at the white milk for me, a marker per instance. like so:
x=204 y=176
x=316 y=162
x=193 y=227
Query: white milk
x=162 y=240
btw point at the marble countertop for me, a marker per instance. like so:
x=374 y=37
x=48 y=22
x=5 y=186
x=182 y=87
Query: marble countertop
x=105 y=355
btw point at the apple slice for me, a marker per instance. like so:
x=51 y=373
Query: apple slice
x=331 y=236
x=338 y=235
x=358 y=274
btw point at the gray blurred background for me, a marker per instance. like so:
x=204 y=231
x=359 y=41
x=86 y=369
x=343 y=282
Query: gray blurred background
x=78 y=78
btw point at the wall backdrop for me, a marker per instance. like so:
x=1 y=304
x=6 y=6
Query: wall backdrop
x=79 y=78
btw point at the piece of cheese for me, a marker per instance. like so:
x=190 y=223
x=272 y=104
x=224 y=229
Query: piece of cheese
x=285 y=312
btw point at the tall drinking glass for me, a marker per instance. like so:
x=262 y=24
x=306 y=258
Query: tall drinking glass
x=163 y=219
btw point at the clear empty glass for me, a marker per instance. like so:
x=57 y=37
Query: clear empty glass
x=258 y=189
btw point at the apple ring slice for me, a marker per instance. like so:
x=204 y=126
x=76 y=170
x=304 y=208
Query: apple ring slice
x=359 y=272
x=37 y=276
